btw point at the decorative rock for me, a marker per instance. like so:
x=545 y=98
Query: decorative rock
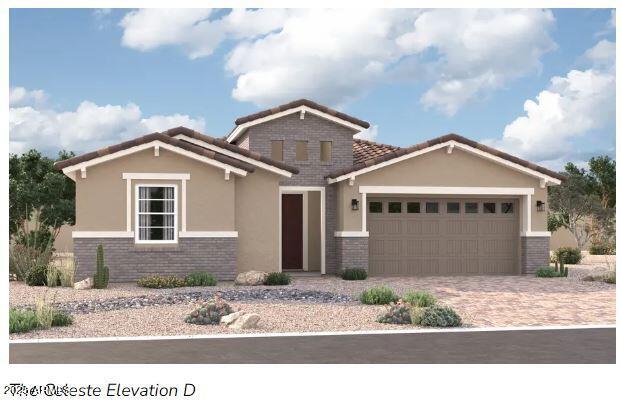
x=83 y=284
x=247 y=321
x=251 y=278
x=230 y=318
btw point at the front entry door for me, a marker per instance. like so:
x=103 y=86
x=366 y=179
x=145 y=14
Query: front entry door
x=292 y=256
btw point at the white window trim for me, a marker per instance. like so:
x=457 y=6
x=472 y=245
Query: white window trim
x=237 y=156
x=322 y=202
x=351 y=234
x=69 y=171
x=544 y=178
x=137 y=239
x=536 y=234
x=240 y=128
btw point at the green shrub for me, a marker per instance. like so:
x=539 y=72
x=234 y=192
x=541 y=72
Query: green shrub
x=61 y=319
x=102 y=274
x=354 y=274
x=611 y=278
x=548 y=272
x=380 y=295
x=608 y=278
x=37 y=276
x=21 y=321
x=277 y=278
x=41 y=239
x=23 y=259
x=53 y=276
x=209 y=312
x=419 y=299
x=161 y=282
x=45 y=316
x=601 y=248
x=435 y=316
x=568 y=255
x=398 y=313
x=200 y=279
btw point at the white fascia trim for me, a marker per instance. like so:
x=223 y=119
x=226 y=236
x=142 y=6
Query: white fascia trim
x=351 y=234
x=102 y=234
x=237 y=156
x=461 y=146
x=536 y=234
x=240 y=128
x=149 y=145
x=156 y=176
x=446 y=190
x=208 y=234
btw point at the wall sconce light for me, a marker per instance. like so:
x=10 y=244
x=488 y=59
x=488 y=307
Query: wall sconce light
x=541 y=206
x=354 y=204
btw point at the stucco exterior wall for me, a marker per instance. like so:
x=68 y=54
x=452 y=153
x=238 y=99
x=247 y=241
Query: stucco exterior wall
x=101 y=197
x=256 y=207
x=438 y=169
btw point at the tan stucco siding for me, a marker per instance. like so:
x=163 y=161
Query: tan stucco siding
x=438 y=169
x=101 y=203
x=314 y=230
x=256 y=208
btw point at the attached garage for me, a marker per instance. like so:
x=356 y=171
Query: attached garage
x=443 y=236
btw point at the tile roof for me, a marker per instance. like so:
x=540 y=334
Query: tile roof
x=297 y=103
x=222 y=143
x=150 y=138
x=457 y=138
x=366 y=150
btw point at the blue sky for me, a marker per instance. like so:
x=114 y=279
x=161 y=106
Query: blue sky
x=417 y=77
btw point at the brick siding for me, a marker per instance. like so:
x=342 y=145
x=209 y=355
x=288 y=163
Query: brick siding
x=128 y=262
x=535 y=253
x=352 y=252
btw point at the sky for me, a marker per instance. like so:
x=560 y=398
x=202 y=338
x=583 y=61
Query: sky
x=539 y=84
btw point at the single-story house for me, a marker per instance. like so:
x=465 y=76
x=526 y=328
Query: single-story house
x=292 y=189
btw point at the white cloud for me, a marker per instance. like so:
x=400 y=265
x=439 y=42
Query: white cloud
x=565 y=112
x=19 y=96
x=335 y=56
x=89 y=127
x=368 y=134
x=602 y=54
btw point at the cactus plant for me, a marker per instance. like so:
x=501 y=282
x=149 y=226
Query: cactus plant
x=102 y=276
x=556 y=266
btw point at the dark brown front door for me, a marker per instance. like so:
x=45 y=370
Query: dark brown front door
x=292 y=231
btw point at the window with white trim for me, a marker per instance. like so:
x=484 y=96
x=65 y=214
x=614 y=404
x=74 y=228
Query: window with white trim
x=156 y=213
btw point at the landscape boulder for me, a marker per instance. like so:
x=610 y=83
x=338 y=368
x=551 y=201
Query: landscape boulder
x=251 y=278
x=247 y=321
x=230 y=318
x=83 y=284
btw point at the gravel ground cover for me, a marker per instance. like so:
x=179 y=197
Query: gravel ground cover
x=482 y=301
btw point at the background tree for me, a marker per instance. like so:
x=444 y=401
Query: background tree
x=584 y=203
x=40 y=193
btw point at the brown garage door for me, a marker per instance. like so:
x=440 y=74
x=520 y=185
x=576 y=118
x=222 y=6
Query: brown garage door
x=443 y=236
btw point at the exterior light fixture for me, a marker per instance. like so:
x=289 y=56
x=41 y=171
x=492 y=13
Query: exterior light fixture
x=541 y=206
x=354 y=204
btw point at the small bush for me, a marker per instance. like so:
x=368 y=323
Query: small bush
x=53 y=277
x=21 y=321
x=44 y=313
x=161 y=282
x=419 y=299
x=277 y=278
x=67 y=273
x=601 y=249
x=37 y=276
x=354 y=274
x=23 y=259
x=397 y=313
x=610 y=278
x=41 y=239
x=568 y=255
x=200 y=279
x=209 y=312
x=61 y=319
x=435 y=316
x=548 y=272
x=381 y=295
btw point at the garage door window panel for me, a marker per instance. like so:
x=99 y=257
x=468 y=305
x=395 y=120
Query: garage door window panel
x=489 y=208
x=452 y=207
x=472 y=208
x=506 y=208
x=432 y=207
x=413 y=208
x=394 y=207
x=375 y=207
